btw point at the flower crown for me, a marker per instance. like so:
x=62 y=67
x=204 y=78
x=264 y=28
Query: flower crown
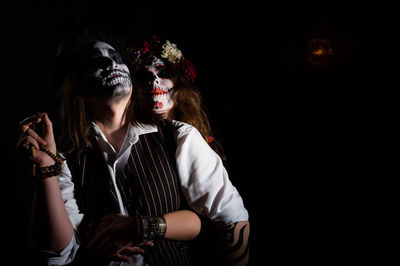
x=170 y=52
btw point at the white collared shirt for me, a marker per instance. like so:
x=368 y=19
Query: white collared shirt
x=203 y=181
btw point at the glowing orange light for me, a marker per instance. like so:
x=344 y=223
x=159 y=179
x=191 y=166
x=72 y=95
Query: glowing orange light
x=319 y=51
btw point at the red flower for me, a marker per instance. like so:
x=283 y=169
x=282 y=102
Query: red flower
x=151 y=44
x=146 y=47
x=189 y=71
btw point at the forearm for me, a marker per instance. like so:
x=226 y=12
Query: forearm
x=235 y=239
x=51 y=228
x=116 y=230
x=182 y=225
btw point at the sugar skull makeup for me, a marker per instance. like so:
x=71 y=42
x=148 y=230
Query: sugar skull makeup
x=162 y=87
x=104 y=73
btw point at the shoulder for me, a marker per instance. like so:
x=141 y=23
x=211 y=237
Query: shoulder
x=184 y=130
x=181 y=127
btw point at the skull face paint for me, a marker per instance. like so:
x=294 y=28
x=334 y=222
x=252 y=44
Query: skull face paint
x=103 y=72
x=161 y=89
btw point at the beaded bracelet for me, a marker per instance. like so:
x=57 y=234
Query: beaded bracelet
x=47 y=171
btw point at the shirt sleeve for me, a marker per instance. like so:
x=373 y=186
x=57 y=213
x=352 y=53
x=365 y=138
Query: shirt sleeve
x=204 y=180
x=67 y=191
x=66 y=255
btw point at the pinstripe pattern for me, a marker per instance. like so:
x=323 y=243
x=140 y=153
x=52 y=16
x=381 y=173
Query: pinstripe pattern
x=149 y=186
x=156 y=178
x=153 y=178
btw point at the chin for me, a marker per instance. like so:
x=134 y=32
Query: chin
x=164 y=112
x=119 y=91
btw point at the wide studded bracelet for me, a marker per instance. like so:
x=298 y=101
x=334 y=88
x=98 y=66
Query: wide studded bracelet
x=153 y=227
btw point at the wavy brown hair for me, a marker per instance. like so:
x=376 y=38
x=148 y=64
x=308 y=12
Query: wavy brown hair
x=188 y=108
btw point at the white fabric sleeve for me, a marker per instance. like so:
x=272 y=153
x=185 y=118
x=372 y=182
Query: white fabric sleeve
x=67 y=255
x=67 y=191
x=63 y=257
x=204 y=179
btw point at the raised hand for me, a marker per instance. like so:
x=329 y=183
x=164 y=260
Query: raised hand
x=37 y=131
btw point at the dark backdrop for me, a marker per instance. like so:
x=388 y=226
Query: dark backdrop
x=312 y=142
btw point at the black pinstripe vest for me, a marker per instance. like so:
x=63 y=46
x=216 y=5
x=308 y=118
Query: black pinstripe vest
x=149 y=186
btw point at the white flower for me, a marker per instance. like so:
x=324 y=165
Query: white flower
x=170 y=52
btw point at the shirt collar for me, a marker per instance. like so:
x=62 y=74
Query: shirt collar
x=133 y=132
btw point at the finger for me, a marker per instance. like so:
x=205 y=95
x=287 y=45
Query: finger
x=30 y=132
x=47 y=126
x=146 y=244
x=22 y=143
x=121 y=257
x=130 y=250
x=29 y=122
x=126 y=253
x=29 y=140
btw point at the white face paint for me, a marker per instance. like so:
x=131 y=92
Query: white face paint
x=104 y=72
x=162 y=88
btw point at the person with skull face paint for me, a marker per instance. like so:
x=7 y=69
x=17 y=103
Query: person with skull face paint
x=160 y=68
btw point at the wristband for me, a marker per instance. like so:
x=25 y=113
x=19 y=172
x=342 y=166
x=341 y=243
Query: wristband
x=153 y=227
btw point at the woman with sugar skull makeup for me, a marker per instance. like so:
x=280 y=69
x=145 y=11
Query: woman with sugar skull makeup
x=159 y=67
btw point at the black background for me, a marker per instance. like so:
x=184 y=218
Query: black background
x=313 y=150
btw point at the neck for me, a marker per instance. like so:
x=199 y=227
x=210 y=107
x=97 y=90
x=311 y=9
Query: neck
x=109 y=116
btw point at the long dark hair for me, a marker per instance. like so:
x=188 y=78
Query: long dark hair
x=75 y=130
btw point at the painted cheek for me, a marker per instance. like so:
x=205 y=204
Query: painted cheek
x=162 y=102
x=158 y=105
x=166 y=83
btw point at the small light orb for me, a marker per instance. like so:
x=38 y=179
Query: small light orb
x=319 y=51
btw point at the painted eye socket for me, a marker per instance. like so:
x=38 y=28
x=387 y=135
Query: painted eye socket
x=143 y=75
x=162 y=72
x=114 y=55
x=101 y=62
x=97 y=62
